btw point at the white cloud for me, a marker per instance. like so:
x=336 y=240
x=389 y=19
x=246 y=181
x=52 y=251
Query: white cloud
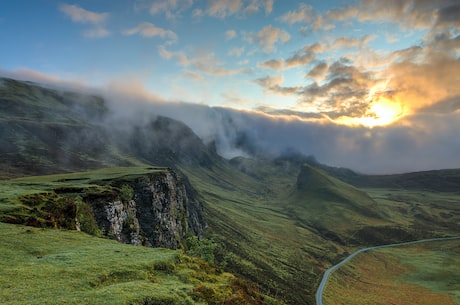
x=181 y=57
x=147 y=29
x=237 y=52
x=193 y=75
x=230 y=34
x=171 y=8
x=78 y=14
x=269 y=6
x=97 y=32
x=203 y=61
x=303 y=15
x=268 y=37
x=197 y=13
x=224 y=8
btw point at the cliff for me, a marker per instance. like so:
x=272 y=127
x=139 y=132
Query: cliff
x=154 y=207
x=152 y=210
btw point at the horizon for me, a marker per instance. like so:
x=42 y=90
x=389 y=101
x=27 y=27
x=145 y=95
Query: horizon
x=368 y=85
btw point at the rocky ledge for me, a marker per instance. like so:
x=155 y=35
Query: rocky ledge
x=154 y=210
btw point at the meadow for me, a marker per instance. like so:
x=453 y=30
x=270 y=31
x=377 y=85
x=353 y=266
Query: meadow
x=422 y=274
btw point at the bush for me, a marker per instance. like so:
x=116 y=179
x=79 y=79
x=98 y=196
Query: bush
x=126 y=193
x=201 y=248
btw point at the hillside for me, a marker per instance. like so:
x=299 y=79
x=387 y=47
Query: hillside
x=275 y=224
x=45 y=131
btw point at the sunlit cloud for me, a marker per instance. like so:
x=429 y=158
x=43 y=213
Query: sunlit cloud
x=318 y=71
x=147 y=29
x=97 y=32
x=170 y=8
x=268 y=37
x=205 y=62
x=223 y=8
x=236 y=51
x=274 y=84
x=78 y=14
x=300 y=58
x=193 y=76
x=230 y=34
x=304 y=14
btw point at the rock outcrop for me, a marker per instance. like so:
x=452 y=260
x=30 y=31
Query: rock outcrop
x=153 y=210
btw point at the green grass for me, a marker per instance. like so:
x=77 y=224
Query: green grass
x=422 y=274
x=13 y=188
x=283 y=238
x=66 y=267
x=262 y=242
x=435 y=266
x=43 y=266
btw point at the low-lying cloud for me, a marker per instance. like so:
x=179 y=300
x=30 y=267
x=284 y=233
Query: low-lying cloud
x=424 y=140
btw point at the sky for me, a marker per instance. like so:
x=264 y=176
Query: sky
x=372 y=80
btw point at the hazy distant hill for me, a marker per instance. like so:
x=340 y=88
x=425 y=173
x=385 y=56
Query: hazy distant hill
x=46 y=131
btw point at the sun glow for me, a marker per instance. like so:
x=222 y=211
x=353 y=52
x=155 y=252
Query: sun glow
x=381 y=112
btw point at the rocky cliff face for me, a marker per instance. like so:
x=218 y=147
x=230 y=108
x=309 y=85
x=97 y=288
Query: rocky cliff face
x=153 y=210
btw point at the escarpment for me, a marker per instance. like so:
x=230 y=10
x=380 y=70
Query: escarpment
x=154 y=208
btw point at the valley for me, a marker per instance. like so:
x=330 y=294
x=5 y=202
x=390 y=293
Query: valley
x=258 y=229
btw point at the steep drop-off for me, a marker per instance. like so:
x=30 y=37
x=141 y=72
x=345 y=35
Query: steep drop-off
x=151 y=208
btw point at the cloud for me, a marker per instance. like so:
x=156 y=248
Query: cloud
x=97 y=32
x=78 y=14
x=230 y=34
x=171 y=8
x=223 y=8
x=416 y=14
x=193 y=76
x=196 y=13
x=304 y=14
x=233 y=99
x=424 y=140
x=449 y=15
x=203 y=62
x=181 y=57
x=240 y=8
x=45 y=78
x=317 y=72
x=300 y=58
x=147 y=29
x=273 y=84
x=269 y=6
x=237 y=52
x=273 y=64
x=268 y=37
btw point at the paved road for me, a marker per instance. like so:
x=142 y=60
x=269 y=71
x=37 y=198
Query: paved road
x=322 y=285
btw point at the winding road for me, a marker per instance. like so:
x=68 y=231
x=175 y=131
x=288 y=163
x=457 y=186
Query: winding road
x=322 y=285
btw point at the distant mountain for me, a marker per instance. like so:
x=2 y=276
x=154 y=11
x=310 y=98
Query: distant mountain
x=444 y=180
x=45 y=131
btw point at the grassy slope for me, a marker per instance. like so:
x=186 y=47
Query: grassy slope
x=41 y=266
x=93 y=270
x=422 y=274
x=283 y=237
x=11 y=190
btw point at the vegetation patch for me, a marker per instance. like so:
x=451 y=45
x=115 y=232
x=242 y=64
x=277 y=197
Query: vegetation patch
x=422 y=274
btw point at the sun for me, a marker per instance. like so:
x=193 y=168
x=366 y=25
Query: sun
x=381 y=112
x=384 y=112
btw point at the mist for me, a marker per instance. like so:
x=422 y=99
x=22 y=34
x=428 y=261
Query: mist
x=423 y=141
x=418 y=142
